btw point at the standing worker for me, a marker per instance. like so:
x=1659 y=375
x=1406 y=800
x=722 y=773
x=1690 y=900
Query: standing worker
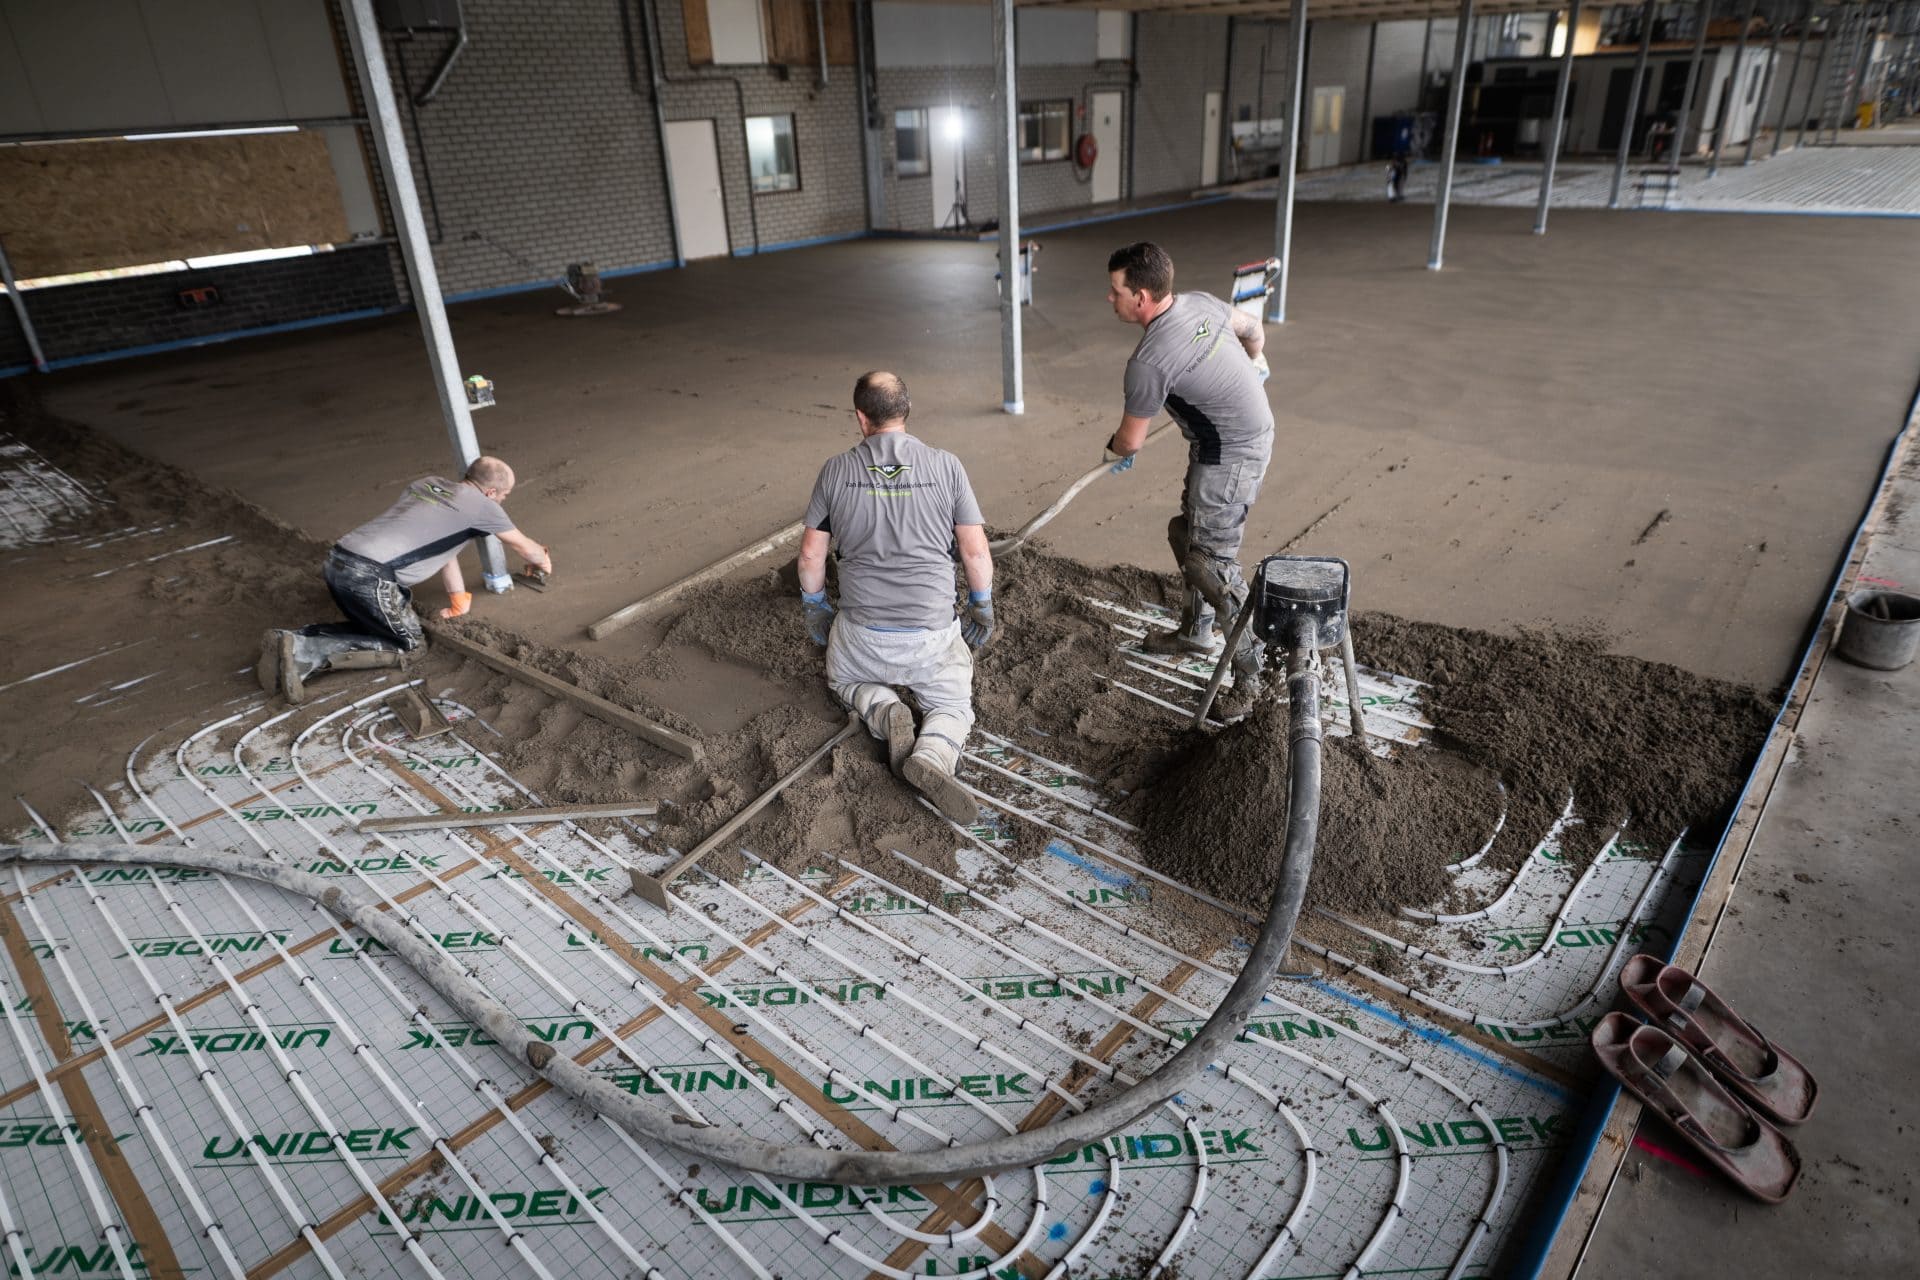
x=371 y=570
x=1215 y=391
x=900 y=513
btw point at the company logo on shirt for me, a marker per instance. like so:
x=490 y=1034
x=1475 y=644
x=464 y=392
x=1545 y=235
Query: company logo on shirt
x=428 y=491
x=893 y=472
x=1201 y=333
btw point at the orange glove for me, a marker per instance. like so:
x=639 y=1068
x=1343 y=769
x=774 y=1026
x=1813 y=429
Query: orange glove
x=462 y=601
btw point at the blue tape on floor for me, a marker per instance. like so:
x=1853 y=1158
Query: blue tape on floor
x=1094 y=869
x=1434 y=1036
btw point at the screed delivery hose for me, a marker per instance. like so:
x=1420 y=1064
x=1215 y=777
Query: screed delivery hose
x=805 y=1162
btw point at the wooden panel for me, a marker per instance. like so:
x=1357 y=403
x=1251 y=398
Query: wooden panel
x=792 y=34
x=840 y=33
x=91 y=206
x=699 y=35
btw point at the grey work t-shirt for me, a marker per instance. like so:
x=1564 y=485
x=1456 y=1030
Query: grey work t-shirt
x=434 y=518
x=1190 y=363
x=891 y=503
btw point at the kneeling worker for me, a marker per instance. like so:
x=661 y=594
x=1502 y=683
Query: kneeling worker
x=900 y=512
x=369 y=572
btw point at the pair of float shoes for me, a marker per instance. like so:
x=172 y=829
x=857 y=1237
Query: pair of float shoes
x=288 y=660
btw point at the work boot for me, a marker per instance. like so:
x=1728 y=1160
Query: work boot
x=293 y=667
x=925 y=774
x=1249 y=681
x=1193 y=635
x=899 y=737
x=266 y=669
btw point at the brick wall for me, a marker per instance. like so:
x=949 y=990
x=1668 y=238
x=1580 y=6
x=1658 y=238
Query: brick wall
x=1179 y=59
x=1045 y=187
x=100 y=316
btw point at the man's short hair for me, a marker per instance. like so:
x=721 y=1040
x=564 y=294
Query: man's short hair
x=490 y=473
x=882 y=397
x=1147 y=266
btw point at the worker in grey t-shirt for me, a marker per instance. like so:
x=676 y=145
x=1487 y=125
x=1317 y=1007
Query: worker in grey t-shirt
x=1202 y=361
x=899 y=513
x=370 y=573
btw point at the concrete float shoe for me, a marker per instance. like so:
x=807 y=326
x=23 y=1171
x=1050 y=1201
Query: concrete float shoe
x=1770 y=1079
x=936 y=784
x=1657 y=1069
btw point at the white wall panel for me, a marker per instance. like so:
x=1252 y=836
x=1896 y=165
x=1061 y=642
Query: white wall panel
x=213 y=59
x=85 y=64
x=89 y=64
x=1056 y=37
x=300 y=43
x=932 y=35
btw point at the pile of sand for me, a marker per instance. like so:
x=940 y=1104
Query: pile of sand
x=1388 y=828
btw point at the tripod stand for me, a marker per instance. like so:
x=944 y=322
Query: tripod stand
x=958 y=218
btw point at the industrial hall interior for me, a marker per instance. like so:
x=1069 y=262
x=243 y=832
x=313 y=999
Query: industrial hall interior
x=1004 y=639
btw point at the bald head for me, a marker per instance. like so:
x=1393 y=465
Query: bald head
x=881 y=398
x=492 y=477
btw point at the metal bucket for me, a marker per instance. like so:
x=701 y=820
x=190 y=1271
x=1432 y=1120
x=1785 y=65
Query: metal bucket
x=1882 y=630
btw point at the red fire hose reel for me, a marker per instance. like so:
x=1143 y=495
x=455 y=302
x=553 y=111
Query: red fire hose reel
x=1085 y=151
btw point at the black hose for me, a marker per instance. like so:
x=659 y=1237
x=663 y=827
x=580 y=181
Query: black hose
x=803 y=1160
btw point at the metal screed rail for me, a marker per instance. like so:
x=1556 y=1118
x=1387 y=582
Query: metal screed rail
x=863 y=1168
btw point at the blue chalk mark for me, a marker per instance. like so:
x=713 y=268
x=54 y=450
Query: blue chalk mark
x=1058 y=1231
x=1098 y=1187
x=1059 y=850
x=1445 y=1041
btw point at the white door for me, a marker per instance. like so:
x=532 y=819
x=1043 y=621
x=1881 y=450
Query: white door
x=947 y=164
x=699 y=210
x=1210 y=140
x=1323 y=144
x=1106 y=136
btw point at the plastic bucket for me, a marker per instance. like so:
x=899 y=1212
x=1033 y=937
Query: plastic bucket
x=1882 y=630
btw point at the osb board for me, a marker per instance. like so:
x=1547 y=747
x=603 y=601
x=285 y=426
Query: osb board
x=90 y=206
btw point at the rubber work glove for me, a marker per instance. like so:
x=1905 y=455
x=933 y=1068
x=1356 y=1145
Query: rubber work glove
x=460 y=602
x=819 y=615
x=976 y=622
x=1121 y=462
x=1261 y=367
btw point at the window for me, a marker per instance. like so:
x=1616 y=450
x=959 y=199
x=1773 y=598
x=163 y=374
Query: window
x=910 y=148
x=772 y=159
x=1043 y=130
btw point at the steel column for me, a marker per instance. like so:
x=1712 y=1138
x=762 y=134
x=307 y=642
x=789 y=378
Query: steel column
x=1766 y=90
x=1819 y=83
x=1559 y=121
x=1793 y=79
x=1856 y=70
x=1731 y=98
x=1289 y=164
x=1007 y=92
x=1704 y=15
x=1456 y=100
x=20 y=312
x=1633 y=104
x=370 y=62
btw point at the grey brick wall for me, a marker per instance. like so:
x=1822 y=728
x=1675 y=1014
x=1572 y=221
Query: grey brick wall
x=1045 y=187
x=135 y=311
x=1179 y=59
x=537 y=151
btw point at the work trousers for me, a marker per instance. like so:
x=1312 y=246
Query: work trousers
x=379 y=610
x=866 y=669
x=1206 y=535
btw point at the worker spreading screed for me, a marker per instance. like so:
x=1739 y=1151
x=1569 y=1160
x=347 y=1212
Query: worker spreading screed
x=899 y=512
x=1213 y=389
x=371 y=570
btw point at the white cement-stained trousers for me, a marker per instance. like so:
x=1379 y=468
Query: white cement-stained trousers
x=865 y=668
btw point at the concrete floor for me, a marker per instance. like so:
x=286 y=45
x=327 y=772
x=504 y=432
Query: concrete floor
x=1489 y=446
x=1817 y=948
